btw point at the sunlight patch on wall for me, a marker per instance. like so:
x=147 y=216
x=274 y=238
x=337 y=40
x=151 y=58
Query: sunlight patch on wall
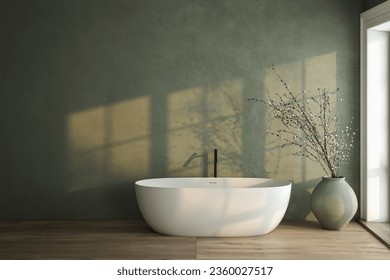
x=320 y=72
x=308 y=75
x=183 y=140
x=108 y=144
x=85 y=130
x=278 y=162
x=201 y=119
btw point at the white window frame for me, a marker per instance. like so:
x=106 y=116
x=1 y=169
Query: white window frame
x=375 y=125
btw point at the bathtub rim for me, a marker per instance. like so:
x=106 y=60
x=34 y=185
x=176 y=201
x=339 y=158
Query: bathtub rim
x=278 y=183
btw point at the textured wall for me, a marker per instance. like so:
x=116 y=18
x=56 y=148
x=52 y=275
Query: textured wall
x=368 y=4
x=98 y=94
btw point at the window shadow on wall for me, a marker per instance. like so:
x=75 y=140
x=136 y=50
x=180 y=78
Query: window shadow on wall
x=99 y=96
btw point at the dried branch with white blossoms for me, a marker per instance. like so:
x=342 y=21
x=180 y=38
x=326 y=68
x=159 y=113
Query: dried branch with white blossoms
x=311 y=125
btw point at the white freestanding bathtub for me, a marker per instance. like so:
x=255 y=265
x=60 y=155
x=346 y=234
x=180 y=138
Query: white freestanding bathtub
x=210 y=207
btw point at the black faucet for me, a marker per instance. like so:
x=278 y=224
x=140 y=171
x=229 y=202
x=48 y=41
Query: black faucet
x=205 y=161
x=215 y=162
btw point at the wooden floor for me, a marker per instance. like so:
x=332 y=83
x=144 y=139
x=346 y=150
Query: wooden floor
x=134 y=240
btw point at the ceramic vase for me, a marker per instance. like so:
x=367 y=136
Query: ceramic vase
x=334 y=203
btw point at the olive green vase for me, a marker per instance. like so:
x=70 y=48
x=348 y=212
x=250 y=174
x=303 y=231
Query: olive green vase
x=334 y=203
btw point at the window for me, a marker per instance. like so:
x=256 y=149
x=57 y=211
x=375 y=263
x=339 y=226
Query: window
x=375 y=48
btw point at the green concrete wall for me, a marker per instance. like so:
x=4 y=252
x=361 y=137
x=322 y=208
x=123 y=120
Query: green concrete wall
x=98 y=94
x=368 y=4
